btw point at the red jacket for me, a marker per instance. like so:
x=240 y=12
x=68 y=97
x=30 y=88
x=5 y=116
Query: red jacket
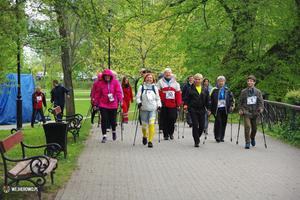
x=169 y=93
x=127 y=91
x=38 y=99
x=96 y=86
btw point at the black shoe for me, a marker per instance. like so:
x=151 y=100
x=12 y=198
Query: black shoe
x=150 y=145
x=222 y=140
x=196 y=144
x=92 y=122
x=171 y=137
x=32 y=126
x=166 y=138
x=218 y=140
x=144 y=140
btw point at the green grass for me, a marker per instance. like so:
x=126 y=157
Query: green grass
x=66 y=166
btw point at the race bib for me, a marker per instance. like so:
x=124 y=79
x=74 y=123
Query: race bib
x=110 y=97
x=170 y=95
x=221 y=103
x=39 y=98
x=251 y=100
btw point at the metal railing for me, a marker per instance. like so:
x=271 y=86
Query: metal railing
x=278 y=112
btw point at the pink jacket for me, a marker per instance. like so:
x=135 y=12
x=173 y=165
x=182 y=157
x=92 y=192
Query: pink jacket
x=104 y=88
x=96 y=85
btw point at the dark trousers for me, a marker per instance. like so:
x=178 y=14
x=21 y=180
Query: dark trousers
x=169 y=116
x=220 y=124
x=34 y=112
x=59 y=116
x=198 y=121
x=93 y=114
x=108 y=115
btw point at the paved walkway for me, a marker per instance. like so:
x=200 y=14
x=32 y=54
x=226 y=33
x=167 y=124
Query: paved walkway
x=177 y=170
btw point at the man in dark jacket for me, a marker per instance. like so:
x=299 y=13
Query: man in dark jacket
x=58 y=96
x=187 y=85
x=38 y=98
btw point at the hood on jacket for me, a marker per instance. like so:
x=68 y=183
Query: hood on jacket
x=108 y=72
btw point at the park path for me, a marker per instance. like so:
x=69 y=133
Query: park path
x=175 y=169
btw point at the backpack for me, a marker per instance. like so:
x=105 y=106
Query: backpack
x=148 y=89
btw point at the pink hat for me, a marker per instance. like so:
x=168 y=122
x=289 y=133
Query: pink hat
x=99 y=75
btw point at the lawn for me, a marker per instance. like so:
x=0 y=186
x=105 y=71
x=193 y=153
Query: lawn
x=66 y=166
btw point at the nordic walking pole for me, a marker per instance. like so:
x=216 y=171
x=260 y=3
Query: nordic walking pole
x=231 y=128
x=178 y=123
x=88 y=113
x=208 y=118
x=183 y=125
x=137 y=124
x=237 y=139
x=134 y=113
x=262 y=125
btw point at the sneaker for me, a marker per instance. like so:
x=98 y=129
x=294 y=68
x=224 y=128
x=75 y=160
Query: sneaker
x=166 y=138
x=125 y=122
x=205 y=132
x=108 y=130
x=104 y=139
x=150 y=145
x=196 y=144
x=92 y=122
x=114 y=136
x=32 y=126
x=222 y=140
x=218 y=140
x=144 y=140
x=175 y=124
x=253 y=142
x=171 y=137
x=247 y=146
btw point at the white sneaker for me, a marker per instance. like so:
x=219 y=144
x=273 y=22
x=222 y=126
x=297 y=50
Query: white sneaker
x=108 y=130
x=175 y=124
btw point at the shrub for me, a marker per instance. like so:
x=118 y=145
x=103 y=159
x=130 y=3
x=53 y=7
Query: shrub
x=293 y=97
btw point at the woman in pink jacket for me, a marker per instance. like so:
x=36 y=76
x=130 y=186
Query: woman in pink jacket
x=109 y=93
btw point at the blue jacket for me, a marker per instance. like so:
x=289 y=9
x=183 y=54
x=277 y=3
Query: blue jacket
x=58 y=95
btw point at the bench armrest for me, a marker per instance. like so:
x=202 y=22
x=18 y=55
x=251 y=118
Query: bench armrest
x=52 y=149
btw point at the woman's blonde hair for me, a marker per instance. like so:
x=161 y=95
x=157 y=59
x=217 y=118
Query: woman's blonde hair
x=198 y=75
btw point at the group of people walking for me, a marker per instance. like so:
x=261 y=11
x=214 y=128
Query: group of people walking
x=198 y=98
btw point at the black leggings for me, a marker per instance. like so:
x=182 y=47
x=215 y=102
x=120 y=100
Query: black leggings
x=198 y=121
x=108 y=115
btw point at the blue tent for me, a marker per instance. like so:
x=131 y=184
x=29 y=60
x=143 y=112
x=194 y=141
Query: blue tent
x=8 y=97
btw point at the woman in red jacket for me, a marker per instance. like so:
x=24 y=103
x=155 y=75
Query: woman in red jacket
x=127 y=92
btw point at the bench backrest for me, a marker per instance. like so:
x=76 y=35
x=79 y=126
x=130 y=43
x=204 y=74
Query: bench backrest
x=56 y=110
x=11 y=141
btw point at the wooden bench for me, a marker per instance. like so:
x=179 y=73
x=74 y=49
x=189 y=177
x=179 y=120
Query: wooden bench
x=33 y=169
x=73 y=120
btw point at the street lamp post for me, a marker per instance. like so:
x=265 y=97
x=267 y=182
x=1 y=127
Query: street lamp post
x=109 y=25
x=19 y=96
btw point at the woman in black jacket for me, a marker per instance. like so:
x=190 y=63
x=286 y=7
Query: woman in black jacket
x=222 y=103
x=196 y=102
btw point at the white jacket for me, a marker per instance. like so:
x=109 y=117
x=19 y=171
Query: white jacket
x=150 y=101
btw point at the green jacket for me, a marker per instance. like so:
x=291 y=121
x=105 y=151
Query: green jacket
x=250 y=110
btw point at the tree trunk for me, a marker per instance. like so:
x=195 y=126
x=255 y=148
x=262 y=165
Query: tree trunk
x=65 y=58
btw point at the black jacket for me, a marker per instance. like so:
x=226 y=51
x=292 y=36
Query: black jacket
x=195 y=102
x=185 y=88
x=214 y=95
x=58 y=95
